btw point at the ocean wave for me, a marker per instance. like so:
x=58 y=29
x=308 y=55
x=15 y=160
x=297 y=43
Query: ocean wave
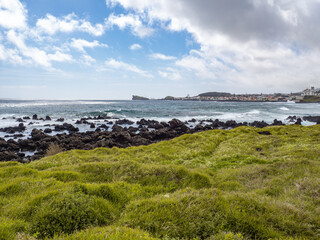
x=35 y=104
x=255 y=111
x=284 y=109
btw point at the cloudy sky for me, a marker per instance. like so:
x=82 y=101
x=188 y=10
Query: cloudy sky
x=112 y=49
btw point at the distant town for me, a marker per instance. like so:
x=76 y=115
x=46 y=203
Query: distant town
x=306 y=96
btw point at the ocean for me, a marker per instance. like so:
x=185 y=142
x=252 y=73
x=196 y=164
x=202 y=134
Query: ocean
x=158 y=110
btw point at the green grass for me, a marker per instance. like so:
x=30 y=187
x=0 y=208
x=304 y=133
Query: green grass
x=235 y=184
x=308 y=99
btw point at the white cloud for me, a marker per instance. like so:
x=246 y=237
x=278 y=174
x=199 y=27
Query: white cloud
x=69 y=23
x=131 y=21
x=10 y=55
x=245 y=44
x=38 y=56
x=80 y=44
x=114 y=64
x=135 y=47
x=13 y=15
x=162 y=57
x=87 y=60
x=60 y=57
x=171 y=74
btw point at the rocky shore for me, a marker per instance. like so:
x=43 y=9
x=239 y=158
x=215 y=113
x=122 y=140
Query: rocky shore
x=120 y=133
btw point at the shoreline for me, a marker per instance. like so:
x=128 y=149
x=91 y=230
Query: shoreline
x=122 y=133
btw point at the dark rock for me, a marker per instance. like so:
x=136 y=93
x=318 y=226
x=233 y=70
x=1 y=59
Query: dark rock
x=291 y=118
x=264 y=133
x=315 y=119
x=26 y=118
x=35 y=117
x=124 y=121
x=3 y=143
x=259 y=124
x=117 y=128
x=12 y=130
x=298 y=122
x=178 y=125
x=198 y=128
x=142 y=122
x=104 y=127
x=60 y=120
x=48 y=130
x=66 y=127
x=277 y=123
x=15 y=136
x=92 y=125
x=231 y=124
x=48 y=118
x=8 y=156
x=19 y=120
x=37 y=135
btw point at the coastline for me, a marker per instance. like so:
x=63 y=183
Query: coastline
x=121 y=133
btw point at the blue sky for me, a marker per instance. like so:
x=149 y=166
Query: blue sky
x=112 y=49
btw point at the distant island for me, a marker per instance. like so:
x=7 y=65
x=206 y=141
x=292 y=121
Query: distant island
x=135 y=97
x=309 y=95
x=215 y=94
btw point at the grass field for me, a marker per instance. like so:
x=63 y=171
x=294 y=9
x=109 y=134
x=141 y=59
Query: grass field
x=244 y=183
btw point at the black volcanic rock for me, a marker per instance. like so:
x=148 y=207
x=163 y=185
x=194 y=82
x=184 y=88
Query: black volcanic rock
x=298 y=122
x=117 y=128
x=259 y=124
x=264 y=133
x=19 y=120
x=48 y=130
x=124 y=121
x=12 y=130
x=277 y=123
x=315 y=119
x=292 y=118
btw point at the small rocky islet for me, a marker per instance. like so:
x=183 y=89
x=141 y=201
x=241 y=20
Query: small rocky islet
x=107 y=132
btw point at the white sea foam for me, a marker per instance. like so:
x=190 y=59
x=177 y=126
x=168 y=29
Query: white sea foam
x=254 y=112
x=284 y=109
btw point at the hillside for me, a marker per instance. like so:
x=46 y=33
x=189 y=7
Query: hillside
x=135 y=97
x=310 y=99
x=245 y=183
x=215 y=94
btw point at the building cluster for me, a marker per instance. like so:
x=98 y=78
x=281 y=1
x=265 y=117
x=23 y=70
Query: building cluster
x=311 y=92
x=276 y=97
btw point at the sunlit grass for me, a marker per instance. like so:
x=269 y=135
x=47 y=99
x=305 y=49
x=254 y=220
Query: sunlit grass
x=235 y=184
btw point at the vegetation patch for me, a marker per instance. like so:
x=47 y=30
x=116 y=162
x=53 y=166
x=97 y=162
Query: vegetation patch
x=235 y=184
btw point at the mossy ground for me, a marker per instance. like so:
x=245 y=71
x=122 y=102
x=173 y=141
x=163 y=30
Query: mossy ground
x=235 y=184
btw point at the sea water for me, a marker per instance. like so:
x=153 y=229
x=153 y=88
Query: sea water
x=159 y=110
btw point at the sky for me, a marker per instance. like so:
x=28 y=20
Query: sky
x=113 y=49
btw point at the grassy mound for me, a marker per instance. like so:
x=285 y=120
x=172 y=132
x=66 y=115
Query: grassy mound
x=245 y=183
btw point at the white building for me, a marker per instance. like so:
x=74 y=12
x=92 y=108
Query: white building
x=311 y=92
